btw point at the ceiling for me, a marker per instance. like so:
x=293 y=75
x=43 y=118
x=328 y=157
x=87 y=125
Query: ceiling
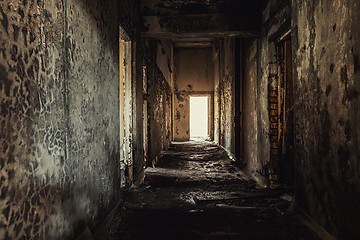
x=200 y=19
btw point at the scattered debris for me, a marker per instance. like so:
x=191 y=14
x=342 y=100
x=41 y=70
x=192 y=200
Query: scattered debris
x=197 y=193
x=286 y=197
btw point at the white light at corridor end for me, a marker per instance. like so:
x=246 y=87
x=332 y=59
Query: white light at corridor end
x=198 y=117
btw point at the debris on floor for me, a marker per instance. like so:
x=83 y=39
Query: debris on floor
x=196 y=192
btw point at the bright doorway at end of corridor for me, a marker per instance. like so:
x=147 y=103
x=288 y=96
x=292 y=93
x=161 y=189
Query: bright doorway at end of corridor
x=199 y=117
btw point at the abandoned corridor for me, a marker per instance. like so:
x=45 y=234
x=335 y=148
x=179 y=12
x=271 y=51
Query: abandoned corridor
x=94 y=92
x=195 y=191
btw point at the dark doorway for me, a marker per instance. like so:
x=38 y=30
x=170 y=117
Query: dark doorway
x=286 y=106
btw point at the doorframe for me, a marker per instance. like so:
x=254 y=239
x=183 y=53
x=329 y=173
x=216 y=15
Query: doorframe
x=286 y=107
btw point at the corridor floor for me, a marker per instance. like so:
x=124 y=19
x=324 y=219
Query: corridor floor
x=196 y=192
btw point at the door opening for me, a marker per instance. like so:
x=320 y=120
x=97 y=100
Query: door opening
x=286 y=105
x=281 y=104
x=199 y=117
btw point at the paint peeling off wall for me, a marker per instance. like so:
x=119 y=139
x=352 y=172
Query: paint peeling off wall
x=93 y=103
x=59 y=119
x=159 y=110
x=32 y=135
x=260 y=75
x=250 y=124
x=227 y=94
x=215 y=52
x=327 y=115
x=159 y=105
x=164 y=59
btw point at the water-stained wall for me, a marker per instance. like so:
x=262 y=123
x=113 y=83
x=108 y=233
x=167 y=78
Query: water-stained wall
x=215 y=56
x=159 y=100
x=326 y=36
x=59 y=133
x=164 y=59
x=260 y=76
x=33 y=136
x=193 y=75
x=159 y=114
x=225 y=96
x=92 y=80
x=250 y=123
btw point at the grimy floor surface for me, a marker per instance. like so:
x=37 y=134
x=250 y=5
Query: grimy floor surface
x=196 y=192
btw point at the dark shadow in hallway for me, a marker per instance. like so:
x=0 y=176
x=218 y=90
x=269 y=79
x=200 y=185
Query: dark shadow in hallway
x=196 y=192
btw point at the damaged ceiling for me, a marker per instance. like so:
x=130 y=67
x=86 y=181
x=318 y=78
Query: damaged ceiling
x=201 y=19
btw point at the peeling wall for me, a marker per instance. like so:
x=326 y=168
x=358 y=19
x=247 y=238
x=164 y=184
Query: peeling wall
x=59 y=122
x=275 y=15
x=216 y=54
x=159 y=110
x=193 y=75
x=33 y=179
x=159 y=103
x=260 y=75
x=227 y=93
x=250 y=124
x=92 y=80
x=164 y=59
x=326 y=36
x=138 y=114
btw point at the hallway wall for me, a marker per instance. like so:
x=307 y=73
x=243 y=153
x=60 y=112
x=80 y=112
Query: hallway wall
x=159 y=100
x=164 y=59
x=216 y=59
x=327 y=85
x=226 y=94
x=326 y=71
x=59 y=130
x=193 y=75
x=250 y=114
x=260 y=76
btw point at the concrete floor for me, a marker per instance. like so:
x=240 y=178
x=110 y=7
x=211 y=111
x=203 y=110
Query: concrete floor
x=196 y=192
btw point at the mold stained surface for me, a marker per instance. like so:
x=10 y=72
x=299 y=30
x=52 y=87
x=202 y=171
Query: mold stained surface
x=327 y=105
